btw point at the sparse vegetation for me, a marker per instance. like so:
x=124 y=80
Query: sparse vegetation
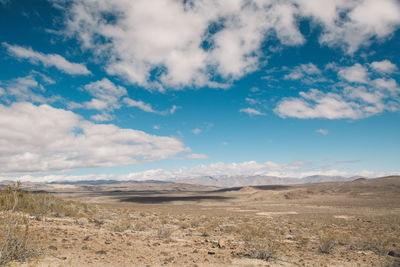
x=323 y=228
x=326 y=241
x=15 y=236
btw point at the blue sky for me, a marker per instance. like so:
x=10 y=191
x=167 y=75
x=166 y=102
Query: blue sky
x=163 y=89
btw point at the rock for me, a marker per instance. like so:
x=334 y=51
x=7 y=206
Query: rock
x=221 y=243
x=394 y=253
x=82 y=221
x=107 y=242
x=211 y=253
x=53 y=247
x=101 y=252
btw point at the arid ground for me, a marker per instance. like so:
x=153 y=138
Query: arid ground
x=151 y=224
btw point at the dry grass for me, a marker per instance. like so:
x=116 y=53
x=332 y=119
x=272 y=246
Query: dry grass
x=18 y=241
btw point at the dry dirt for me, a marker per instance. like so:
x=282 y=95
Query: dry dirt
x=328 y=224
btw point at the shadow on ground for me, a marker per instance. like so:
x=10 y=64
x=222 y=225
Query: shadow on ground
x=163 y=199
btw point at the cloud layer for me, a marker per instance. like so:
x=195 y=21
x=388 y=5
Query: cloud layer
x=174 y=44
x=248 y=168
x=39 y=139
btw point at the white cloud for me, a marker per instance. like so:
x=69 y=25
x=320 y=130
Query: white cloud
x=356 y=73
x=102 y=117
x=251 y=111
x=384 y=66
x=197 y=156
x=173 y=109
x=27 y=88
x=140 y=105
x=162 y=44
x=317 y=104
x=48 y=60
x=156 y=127
x=296 y=169
x=106 y=94
x=301 y=71
x=351 y=24
x=322 y=131
x=252 y=101
x=196 y=131
x=355 y=97
x=249 y=168
x=40 y=139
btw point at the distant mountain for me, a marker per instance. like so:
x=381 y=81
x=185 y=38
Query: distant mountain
x=234 y=181
x=216 y=181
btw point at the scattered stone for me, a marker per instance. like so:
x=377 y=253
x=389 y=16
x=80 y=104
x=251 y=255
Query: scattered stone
x=86 y=238
x=107 y=242
x=101 y=252
x=53 y=247
x=395 y=254
x=211 y=253
x=221 y=243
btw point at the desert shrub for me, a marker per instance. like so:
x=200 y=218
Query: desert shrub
x=41 y=204
x=122 y=225
x=164 y=232
x=326 y=241
x=263 y=249
x=380 y=245
x=16 y=238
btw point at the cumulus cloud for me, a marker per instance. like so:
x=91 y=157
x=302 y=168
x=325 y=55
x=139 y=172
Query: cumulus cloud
x=251 y=111
x=384 y=66
x=107 y=97
x=175 y=44
x=28 y=88
x=356 y=73
x=359 y=94
x=317 y=104
x=40 y=139
x=105 y=93
x=48 y=60
x=301 y=71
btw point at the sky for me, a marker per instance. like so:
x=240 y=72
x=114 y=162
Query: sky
x=160 y=89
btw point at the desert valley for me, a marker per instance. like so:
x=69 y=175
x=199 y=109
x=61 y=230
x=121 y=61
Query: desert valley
x=352 y=223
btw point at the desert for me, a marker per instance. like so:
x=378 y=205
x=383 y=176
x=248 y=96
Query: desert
x=353 y=223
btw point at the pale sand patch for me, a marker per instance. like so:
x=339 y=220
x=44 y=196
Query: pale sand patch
x=345 y=217
x=276 y=213
x=245 y=210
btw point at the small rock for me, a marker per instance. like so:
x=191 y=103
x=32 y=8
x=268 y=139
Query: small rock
x=107 y=242
x=101 y=252
x=53 y=247
x=82 y=221
x=211 y=253
x=395 y=254
x=86 y=238
x=221 y=243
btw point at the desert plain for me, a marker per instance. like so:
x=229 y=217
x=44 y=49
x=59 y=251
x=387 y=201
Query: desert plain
x=355 y=223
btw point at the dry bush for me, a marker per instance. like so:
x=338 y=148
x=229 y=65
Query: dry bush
x=41 y=204
x=263 y=250
x=326 y=241
x=122 y=225
x=16 y=238
x=164 y=232
x=261 y=240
